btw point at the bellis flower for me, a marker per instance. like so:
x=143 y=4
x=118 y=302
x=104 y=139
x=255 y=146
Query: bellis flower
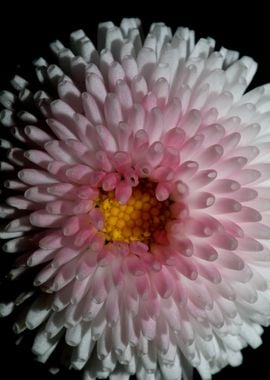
x=137 y=182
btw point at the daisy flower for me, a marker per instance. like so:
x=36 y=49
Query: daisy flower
x=137 y=202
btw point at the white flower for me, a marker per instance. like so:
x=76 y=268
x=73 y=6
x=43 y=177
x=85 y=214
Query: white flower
x=141 y=191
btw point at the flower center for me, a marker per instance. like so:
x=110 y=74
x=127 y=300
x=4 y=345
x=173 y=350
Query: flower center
x=137 y=220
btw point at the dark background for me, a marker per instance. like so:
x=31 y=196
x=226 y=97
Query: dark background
x=25 y=33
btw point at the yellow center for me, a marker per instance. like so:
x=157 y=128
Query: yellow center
x=136 y=220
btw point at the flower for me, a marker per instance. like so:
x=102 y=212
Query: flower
x=139 y=198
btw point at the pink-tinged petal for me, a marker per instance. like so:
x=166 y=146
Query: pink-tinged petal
x=79 y=174
x=161 y=173
x=210 y=273
x=226 y=205
x=231 y=261
x=198 y=228
x=154 y=124
x=175 y=137
x=92 y=109
x=155 y=153
x=249 y=152
x=138 y=88
x=186 y=170
x=203 y=178
x=163 y=282
x=148 y=329
x=76 y=149
x=106 y=139
x=191 y=146
x=247 y=176
x=130 y=67
x=201 y=200
x=171 y=157
x=38 y=135
x=69 y=93
x=53 y=240
x=71 y=226
x=60 y=130
x=134 y=265
x=63 y=256
x=191 y=122
x=86 y=266
x=230 y=142
x=213 y=133
x=163 y=191
x=36 y=177
x=123 y=133
x=102 y=161
x=131 y=177
x=65 y=276
x=86 y=192
x=112 y=307
x=63 y=190
x=181 y=246
x=45 y=275
x=96 y=218
x=40 y=256
x=68 y=207
x=21 y=203
x=62 y=111
x=84 y=236
x=210 y=156
x=38 y=157
x=95 y=87
x=261 y=204
x=16 y=156
x=224 y=186
x=19 y=244
x=139 y=143
x=15 y=185
x=172 y=115
x=110 y=181
x=19 y=225
x=121 y=162
x=19 y=134
x=58 y=170
x=42 y=218
x=248 y=214
x=161 y=90
x=115 y=73
x=187 y=268
x=112 y=111
x=233 y=228
x=261 y=231
x=84 y=130
x=245 y=194
x=225 y=241
x=232 y=166
x=123 y=192
x=249 y=244
x=142 y=284
x=124 y=95
x=205 y=251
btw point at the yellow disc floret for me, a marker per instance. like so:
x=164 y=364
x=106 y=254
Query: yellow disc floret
x=138 y=219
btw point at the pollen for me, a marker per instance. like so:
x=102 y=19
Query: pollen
x=138 y=219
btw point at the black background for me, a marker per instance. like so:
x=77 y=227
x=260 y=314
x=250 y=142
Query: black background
x=25 y=33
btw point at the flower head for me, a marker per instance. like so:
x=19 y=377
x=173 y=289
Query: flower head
x=138 y=197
